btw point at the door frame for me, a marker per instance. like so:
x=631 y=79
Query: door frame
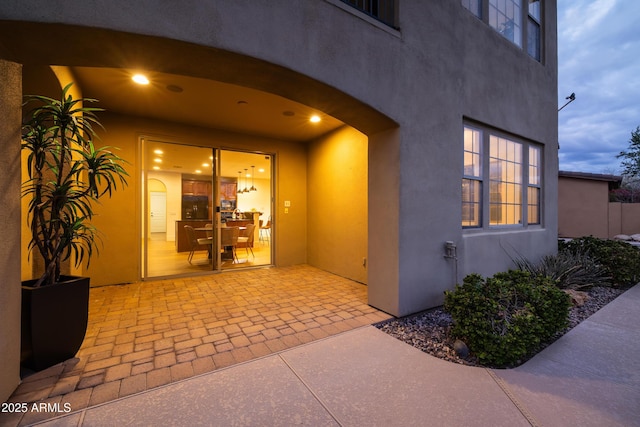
x=143 y=200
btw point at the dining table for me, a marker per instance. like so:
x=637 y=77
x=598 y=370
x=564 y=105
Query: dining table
x=227 y=252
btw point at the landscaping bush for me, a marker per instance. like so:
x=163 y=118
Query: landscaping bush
x=570 y=270
x=506 y=317
x=620 y=260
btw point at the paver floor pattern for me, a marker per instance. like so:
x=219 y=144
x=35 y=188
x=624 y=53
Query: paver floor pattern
x=144 y=335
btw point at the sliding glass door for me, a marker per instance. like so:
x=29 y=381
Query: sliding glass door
x=194 y=200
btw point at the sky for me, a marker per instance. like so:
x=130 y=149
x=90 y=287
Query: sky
x=599 y=61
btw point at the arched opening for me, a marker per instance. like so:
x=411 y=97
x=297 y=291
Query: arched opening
x=305 y=206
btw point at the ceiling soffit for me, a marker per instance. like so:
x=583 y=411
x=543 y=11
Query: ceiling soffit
x=37 y=43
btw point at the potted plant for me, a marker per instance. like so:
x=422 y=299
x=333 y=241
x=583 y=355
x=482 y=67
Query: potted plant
x=67 y=174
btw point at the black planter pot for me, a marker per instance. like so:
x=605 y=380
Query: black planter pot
x=54 y=321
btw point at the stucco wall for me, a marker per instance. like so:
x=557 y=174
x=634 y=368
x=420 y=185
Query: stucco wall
x=337 y=179
x=583 y=208
x=10 y=218
x=624 y=218
x=443 y=66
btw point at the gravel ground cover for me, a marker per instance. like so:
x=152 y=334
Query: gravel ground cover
x=429 y=330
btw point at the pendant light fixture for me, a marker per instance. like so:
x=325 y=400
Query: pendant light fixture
x=253 y=187
x=238 y=184
x=245 y=190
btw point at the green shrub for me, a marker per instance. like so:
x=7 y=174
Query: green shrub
x=506 y=317
x=620 y=260
x=568 y=269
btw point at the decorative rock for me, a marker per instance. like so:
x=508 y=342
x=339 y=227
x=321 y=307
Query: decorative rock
x=461 y=349
x=578 y=298
x=622 y=237
x=429 y=331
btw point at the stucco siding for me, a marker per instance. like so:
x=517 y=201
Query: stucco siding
x=409 y=91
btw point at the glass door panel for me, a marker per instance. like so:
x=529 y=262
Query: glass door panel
x=178 y=214
x=245 y=204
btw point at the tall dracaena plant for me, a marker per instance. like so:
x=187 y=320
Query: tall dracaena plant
x=67 y=174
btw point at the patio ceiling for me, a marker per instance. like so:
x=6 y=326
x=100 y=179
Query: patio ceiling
x=204 y=103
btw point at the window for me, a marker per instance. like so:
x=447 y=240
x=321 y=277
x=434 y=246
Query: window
x=512 y=194
x=474 y=6
x=382 y=10
x=533 y=192
x=472 y=180
x=533 y=30
x=505 y=182
x=507 y=17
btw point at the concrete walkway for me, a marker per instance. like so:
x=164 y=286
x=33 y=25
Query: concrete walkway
x=589 y=377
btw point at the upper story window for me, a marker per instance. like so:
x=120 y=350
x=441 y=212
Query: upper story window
x=474 y=6
x=382 y=10
x=507 y=18
x=534 y=32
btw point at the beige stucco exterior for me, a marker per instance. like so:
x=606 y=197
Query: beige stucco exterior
x=403 y=94
x=583 y=207
x=337 y=203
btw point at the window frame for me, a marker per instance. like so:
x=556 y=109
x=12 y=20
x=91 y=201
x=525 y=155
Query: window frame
x=527 y=21
x=473 y=178
x=534 y=185
x=527 y=182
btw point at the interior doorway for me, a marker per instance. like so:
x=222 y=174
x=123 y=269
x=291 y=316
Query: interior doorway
x=158 y=211
x=193 y=198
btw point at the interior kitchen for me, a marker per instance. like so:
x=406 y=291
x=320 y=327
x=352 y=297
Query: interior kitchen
x=195 y=197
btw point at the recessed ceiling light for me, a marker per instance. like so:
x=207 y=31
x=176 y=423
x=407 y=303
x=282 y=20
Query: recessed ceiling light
x=205 y=165
x=158 y=151
x=314 y=119
x=198 y=171
x=261 y=170
x=288 y=113
x=241 y=102
x=157 y=160
x=174 y=88
x=156 y=168
x=141 y=79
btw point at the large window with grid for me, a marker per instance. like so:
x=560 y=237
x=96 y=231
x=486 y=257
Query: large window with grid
x=505 y=182
x=507 y=18
x=511 y=196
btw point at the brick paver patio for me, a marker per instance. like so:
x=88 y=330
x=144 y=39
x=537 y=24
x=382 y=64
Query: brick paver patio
x=144 y=335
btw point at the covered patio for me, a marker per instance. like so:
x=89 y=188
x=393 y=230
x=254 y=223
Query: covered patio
x=147 y=334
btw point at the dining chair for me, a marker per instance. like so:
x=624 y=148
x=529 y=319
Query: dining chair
x=265 y=230
x=246 y=241
x=229 y=239
x=195 y=243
